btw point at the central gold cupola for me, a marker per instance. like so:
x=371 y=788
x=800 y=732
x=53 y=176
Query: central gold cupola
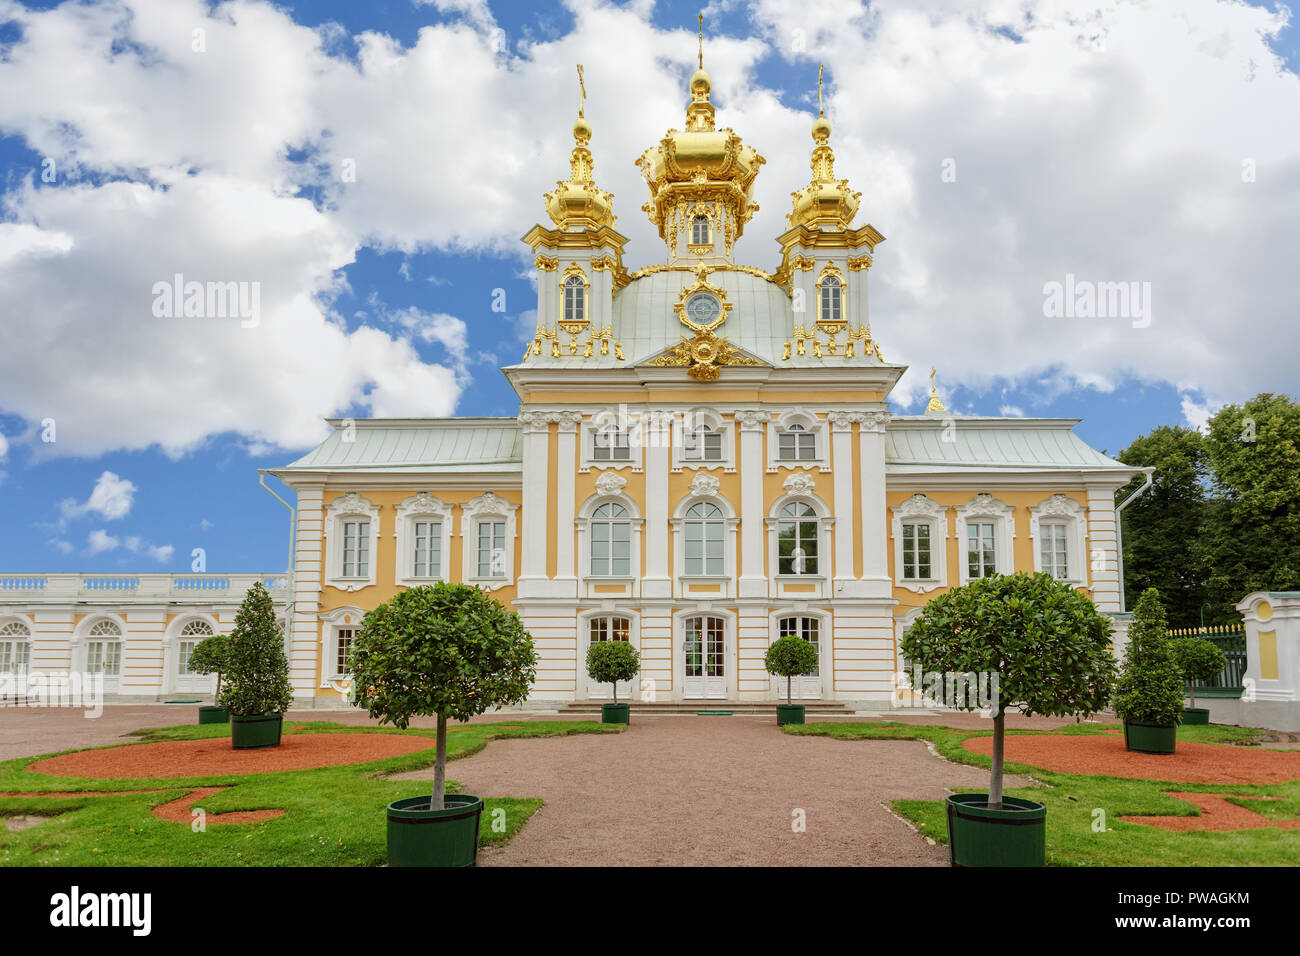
x=701 y=181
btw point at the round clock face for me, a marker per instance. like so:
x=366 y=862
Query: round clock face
x=703 y=308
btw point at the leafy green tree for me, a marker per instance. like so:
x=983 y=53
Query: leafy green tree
x=1150 y=686
x=442 y=650
x=211 y=656
x=790 y=657
x=1045 y=644
x=1254 y=452
x=1164 y=534
x=1198 y=660
x=257 y=671
x=609 y=662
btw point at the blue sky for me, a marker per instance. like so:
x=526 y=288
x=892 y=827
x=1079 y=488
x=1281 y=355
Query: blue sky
x=420 y=275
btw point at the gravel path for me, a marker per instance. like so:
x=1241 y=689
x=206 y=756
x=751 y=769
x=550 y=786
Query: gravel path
x=712 y=791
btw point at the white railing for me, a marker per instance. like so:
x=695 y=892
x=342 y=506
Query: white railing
x=197 y=588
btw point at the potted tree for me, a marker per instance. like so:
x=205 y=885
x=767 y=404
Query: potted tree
x=610 y=662
x=257 y=691
x=1028 y=642
x=448 y=651
x=1198 y=661
x=210 y=657
x=790 y=657
x=1149 y=695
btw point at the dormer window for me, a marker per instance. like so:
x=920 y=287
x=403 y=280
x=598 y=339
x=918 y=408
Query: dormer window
x=702 y=444
x=796 y=443
x=575 y=299
x=610 y=443
x=700 y=231
x=831 y=300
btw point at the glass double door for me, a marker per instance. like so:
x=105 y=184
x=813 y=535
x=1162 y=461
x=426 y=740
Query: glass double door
x=704 y=650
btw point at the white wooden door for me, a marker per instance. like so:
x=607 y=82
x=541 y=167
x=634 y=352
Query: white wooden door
x=809 y=686
x=607 y=629
x=704 y=652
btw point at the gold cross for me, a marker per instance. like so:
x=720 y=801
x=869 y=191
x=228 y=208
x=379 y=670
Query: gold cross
x=819 y=89
x=701 y=41
x=582 y=91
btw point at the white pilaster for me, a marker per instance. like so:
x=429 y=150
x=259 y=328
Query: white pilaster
x=875 y=533
x=655 y=433
x=565 y=474
x=308 y=560
x=532 y=572
x=842 y=475
x=753 y=576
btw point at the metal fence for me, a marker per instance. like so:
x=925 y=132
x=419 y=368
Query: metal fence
x=1231 y=639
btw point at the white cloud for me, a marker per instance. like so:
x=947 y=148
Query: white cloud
x=160 y=553
x=1012 y=411
x=111 y=498
x=206 y=525
x=99 y=541
x=1197 y=414
x=4 y=446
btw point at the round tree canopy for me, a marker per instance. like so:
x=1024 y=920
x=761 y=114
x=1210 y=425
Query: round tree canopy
x=790 y=656
x=610 y=661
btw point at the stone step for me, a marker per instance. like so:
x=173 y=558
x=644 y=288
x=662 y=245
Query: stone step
x=826 y=707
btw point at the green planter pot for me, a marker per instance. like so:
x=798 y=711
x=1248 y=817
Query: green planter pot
x=615 y=713
x=1144 y=738
x=418 y=836
x=1016 y=835
x=1196 y=716
x=789 y=714
x=213 y=715
x=261 y=730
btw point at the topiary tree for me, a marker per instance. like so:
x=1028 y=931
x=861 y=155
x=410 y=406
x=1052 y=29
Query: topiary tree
x=211 y=656
x=1198 y=660
x=445 y=651
x=609 y=662
x=257 y=671
x=1042 y=646
x=1150 y=688
x=790 y=657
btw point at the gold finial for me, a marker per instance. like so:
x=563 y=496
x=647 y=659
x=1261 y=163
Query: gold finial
x=820 y=111
x=935 y=405
x=701 y=40
x=582 y=92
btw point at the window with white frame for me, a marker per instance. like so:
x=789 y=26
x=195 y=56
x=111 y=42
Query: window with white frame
x=1054 y=552
x=609 y=629
x=702 y=443
x=488 y=540
x=491 y=549
x=610 y=443
x=920 y=532
x=981 y=549
x=611 y=541
x=104 y=649
x=796 y=442
x=985 y=531
x=356 y=548
x=809 y=628
x=831 y=300
x=191 y=634
x=705 y=535
x=426 y=540
x=575 y=299
x=344 y=637
x=1057 y=527
x=796 y=539
x=423 y=531
x=351 y=538
x=918 y=563
x=15 y=648
x=700 y=231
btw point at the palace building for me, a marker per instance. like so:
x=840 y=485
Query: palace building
x=704 y=460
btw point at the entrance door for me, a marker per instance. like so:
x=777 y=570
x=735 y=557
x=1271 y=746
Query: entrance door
x=607 y=629
x=808 y=687
x=704 y=650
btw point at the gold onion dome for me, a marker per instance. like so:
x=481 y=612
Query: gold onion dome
x=699 y=163
x=826 y=201
x=578 y=201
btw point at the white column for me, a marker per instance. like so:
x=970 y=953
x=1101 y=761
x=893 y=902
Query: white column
x=753 y=577
x=1102 y=571
x=875 y=528
x=845 y=583
x=532 y=575
x=566 y=466
x=657 y=582
x=308 y=558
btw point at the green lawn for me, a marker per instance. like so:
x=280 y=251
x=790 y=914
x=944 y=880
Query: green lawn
x=335 y=815
x=1072 y=800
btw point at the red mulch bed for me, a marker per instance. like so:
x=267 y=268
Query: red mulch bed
x=1105 y=756
x=215 y=758
x=175 y=811
x=1216 y=814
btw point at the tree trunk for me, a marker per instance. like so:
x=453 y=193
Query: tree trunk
x=436 y=801
x=789 y=695
x=995 y=776
x=614 y=684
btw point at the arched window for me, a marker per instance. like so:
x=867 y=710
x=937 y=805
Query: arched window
x=611 y=541
x=609 y=629
x=104 y=649
x=191 y=634
x=575 y=299
x=702 y=444
x=831 y=300
x=705 y=528
x=15 y=648
x=796 y=539
x=700 y=231
x=796 y=443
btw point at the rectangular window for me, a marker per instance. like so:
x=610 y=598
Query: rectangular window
x=104 y=657
x=1054 y=550
x=703 y=444
x=343 y=650
x=796 y=547
x=491 y=549
x=981 y=552
x=356 y=549
x=797 y=445
x=916 y=552
x=704 y=554
x=13 y=657
x=610 y=444
x=428 y=549
x=184 y=650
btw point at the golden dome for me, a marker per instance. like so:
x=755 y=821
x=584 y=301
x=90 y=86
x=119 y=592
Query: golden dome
x=826 y=201
x=578 y=202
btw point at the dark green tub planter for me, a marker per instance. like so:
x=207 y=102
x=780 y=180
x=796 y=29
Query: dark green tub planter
x=261 y=730
x=615 y=713
x=1016 y=835
x=1145 y=738
x=418 y=836
x=789 y=714
x=213 y=715
x=1196 y=716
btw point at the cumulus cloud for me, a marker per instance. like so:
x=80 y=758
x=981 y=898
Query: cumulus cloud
x=99 y=541
x=111 y=498
x=160 y=553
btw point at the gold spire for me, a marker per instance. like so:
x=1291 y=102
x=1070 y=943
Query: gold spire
x=699 y=114
x=578 y=201
x=825 y=201
x=701 y=40
x=935 y=405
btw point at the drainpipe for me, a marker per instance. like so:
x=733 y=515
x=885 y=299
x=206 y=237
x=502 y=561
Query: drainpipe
x=288 y=584
x=1119 y=537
